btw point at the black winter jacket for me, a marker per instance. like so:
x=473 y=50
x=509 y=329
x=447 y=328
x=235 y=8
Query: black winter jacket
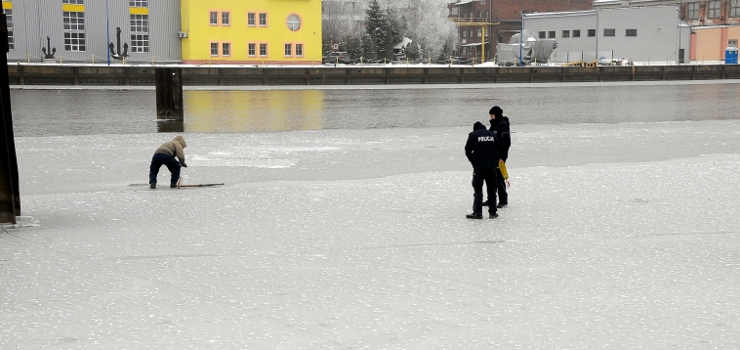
x=482 y=148
x=501 y=127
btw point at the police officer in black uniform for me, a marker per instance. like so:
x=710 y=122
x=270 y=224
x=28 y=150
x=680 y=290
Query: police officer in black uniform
x=482 y=151
x=500 y=125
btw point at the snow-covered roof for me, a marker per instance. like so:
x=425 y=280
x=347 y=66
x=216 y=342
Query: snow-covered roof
x=559 y=14
x=463 y=2
x=475 y=44
x=403 y=43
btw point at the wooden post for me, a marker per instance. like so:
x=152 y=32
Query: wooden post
x=169 y=93
x=10 y=199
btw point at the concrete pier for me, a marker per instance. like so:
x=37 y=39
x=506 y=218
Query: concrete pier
x=355 y=75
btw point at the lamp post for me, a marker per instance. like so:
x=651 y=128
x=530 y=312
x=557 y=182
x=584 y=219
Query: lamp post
x=680 y=19
x=521 y=33
x=107 y=30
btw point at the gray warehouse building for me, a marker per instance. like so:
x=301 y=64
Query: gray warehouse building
x=83 y=30
x=638 y=34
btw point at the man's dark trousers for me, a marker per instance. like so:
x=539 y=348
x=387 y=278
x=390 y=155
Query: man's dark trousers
x=173 y=165
x=489 y=177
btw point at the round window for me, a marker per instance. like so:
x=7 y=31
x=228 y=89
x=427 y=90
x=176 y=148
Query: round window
x=294 y=22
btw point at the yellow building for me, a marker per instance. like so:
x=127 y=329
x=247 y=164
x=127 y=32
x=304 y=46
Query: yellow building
x=251 y=32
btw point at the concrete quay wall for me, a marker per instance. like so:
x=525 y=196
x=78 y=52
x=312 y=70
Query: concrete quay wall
x=353 y=75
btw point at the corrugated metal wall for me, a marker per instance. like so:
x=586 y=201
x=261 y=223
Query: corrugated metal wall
x=35 y=19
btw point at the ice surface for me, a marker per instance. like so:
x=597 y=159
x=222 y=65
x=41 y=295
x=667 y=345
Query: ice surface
x=618 y=236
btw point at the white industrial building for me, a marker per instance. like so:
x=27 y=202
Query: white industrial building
x=637 y=34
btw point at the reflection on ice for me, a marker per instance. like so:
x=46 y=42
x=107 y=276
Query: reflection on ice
x=273 y=109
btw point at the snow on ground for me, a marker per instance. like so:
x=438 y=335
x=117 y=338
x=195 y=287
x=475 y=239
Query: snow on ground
x=618 y=236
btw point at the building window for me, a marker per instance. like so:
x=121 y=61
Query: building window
x=299 y=50
x=11 y=38
x=75 y=2
x=214 y=18
x=693 y=9
x=214 y=49
x=609 y=32
x=250 y=19
x=631 y=32
x=263 y=50
x=576 y=33
x=482 y=2
x=714 y=9
x=542 y=35
x=263 y=19
x=225 y=20
x=140 y=43
x=140 y=23
x=479 y=33
x=732 y=43
x=566 y=34
x=252 y=50
x=294 y=22
x=735 y=8
x=139 y=33
x=74 y=21
x=592 y=32
x=74 y=42
x=137 y=3
x=288 y=50
x=74 y=31
x=465 y=33
x=551 y=34
x=226 y=49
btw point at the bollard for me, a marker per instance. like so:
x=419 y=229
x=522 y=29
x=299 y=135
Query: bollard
x=169 y=93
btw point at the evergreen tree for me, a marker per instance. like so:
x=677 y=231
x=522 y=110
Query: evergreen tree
x=413 y=51
x=394 y=33
x=369 y=48
x=355 y=47
x=377 y=28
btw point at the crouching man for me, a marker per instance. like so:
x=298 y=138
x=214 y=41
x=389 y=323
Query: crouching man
x=165 y=155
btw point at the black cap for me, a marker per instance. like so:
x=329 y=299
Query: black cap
x=497 y=111
x=478 y=125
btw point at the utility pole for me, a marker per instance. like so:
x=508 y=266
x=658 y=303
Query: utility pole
x=10 y=199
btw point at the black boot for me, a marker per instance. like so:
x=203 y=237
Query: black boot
x=152 y=185
x=474 y=216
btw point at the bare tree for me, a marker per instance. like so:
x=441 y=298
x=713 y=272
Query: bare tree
x=426 y=23
x=342 y=20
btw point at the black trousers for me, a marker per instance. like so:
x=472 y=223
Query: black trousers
x=487 y=176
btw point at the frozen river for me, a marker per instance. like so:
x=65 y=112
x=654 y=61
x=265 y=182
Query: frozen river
x=341 y=224
x=258 y=109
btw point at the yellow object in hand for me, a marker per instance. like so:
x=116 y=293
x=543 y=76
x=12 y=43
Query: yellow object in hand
x=502 y=167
